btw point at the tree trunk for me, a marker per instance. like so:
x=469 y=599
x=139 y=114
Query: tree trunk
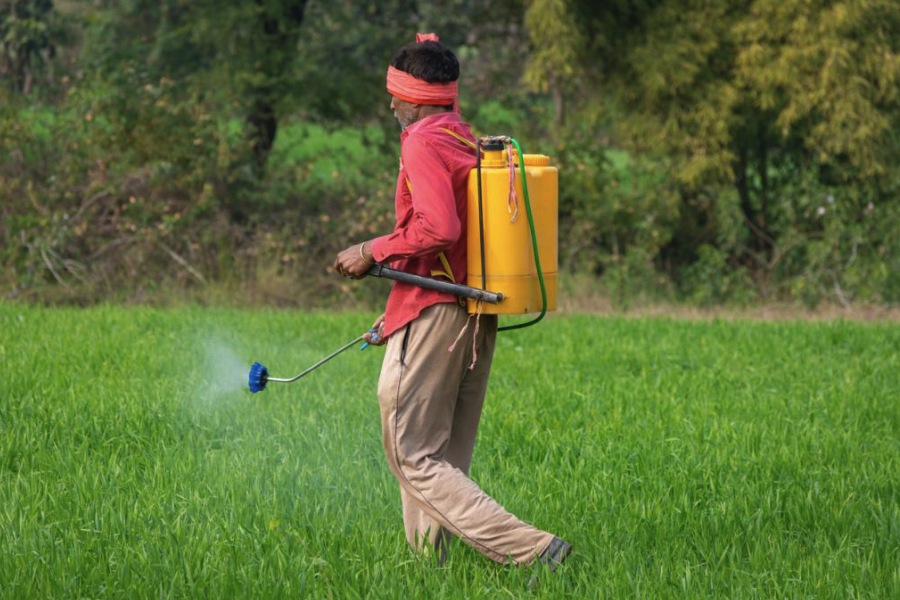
x=740 y=181
x=559 y=107
x=760 y=239
x=279 y=30
x=764 y=180
x=263 y=127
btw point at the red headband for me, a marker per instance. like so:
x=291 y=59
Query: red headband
x=410 y=89
x=406 y=87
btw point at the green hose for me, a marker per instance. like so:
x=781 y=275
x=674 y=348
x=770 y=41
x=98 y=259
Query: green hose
x=534 y=244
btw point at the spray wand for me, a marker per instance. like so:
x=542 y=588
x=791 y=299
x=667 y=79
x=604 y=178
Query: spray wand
x=259 y=374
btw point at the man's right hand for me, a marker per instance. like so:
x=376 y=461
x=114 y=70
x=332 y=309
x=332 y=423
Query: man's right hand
x=379 y=325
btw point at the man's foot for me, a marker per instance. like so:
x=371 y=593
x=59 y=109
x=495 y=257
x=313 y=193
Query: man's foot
x=550 y=558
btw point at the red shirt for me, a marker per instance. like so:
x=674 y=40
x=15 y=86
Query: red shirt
x=431 y=214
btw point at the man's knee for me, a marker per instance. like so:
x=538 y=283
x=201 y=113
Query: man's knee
x=390 y=452
x=413 y=474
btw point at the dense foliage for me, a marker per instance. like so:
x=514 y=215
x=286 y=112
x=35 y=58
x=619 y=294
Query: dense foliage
x=712 y=152
x=771 y=126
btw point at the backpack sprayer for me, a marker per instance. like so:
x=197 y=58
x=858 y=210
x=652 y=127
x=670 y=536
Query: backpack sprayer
x=500 y=257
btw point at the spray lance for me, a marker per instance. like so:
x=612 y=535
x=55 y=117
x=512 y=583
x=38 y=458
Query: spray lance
x=493 y=210
x=259 y=374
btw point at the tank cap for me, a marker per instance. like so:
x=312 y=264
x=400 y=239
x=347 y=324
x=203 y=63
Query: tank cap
x=537 y=160
x=492 y=146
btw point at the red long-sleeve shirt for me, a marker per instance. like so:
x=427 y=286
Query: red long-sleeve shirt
x=431 y=214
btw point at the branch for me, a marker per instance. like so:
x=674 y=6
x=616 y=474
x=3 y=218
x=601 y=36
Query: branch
x=72 y=266
x=181 y=261
x=88 y=203
x=110 y=245
x=755 y=229
x=839 y=292
x=56 y=275
x=852 y=255
x=760 y=233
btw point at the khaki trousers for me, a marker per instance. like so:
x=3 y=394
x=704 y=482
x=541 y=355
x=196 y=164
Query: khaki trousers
x=430 y=407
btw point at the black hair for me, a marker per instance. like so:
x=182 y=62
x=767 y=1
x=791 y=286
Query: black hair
x=428 y=61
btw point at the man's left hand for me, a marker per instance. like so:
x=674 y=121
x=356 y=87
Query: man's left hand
x=355 y=261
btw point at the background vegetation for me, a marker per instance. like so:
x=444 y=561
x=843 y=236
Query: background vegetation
x=711 y=151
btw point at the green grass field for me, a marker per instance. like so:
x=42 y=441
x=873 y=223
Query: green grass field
x=700 y=459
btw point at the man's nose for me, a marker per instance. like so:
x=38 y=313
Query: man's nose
x=393 y=106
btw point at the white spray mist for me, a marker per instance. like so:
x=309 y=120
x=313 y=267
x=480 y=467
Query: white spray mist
x=223 y=374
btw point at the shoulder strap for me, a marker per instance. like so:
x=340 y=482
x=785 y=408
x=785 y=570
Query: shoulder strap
x=447 y=272
x=468 y=143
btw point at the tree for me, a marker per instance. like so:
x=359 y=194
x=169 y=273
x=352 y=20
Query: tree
x=28 y=31
x=235 y=54
x=760 y=111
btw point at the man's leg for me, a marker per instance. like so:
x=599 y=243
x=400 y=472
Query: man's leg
x=418 y=393
x=464 y=429
x=470 y=398
x=469 y=404
x=423 y=533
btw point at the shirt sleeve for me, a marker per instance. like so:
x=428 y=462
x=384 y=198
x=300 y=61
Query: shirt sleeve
x=435 y=225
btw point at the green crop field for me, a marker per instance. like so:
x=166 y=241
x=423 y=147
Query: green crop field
x=700 y=459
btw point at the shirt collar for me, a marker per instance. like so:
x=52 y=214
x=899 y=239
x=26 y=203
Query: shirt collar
x=435 y=120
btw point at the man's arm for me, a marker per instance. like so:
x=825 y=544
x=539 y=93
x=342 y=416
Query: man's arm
x=434 y=225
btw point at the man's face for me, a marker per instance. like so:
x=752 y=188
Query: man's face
x=406 y=113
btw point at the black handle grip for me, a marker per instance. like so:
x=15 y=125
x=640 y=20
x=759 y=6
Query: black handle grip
x=456 y=289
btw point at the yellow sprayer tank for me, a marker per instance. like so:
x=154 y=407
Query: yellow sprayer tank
x=507 y=245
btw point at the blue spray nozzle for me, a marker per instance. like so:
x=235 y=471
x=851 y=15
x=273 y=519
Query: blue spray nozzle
x=259 y=375
x=374 y=338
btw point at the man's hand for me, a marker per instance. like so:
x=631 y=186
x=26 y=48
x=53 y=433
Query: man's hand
x=379 y=325
x=354 y=262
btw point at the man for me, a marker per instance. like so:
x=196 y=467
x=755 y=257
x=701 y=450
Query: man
x=435 y=372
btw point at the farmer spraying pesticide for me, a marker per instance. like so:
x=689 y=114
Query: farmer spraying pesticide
x=439 y=346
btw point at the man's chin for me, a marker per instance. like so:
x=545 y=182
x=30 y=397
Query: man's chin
x=403 y=125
